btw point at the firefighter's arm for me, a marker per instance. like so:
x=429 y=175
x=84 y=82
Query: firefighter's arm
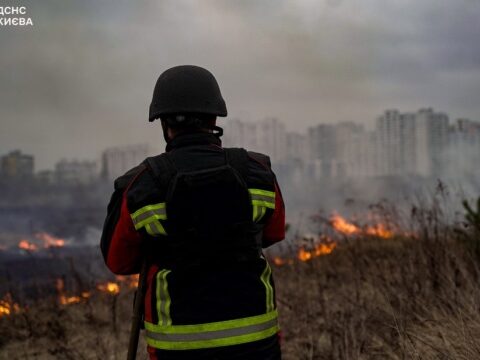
x=121 y=244
x=274 y=230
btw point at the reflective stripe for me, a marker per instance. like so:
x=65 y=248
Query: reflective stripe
x=223 y=333
x=267 y=204
x=148 y=208
x=258 y=212
x=148 y=217
x=265 y=278
x=155 y=228
x=261 y=200
x=163 y=299
x=263 y=210
x=262 y=192
x=160 y=214
x=149 y=213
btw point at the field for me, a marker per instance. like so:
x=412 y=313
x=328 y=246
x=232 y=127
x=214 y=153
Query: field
x=408 y=296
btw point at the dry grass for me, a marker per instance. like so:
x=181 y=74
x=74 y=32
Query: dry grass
x=96 y=329
x=402 y=298
x=410 y=297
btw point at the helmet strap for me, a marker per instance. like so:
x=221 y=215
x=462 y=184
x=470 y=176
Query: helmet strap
x=165 y=130
x=217 y=131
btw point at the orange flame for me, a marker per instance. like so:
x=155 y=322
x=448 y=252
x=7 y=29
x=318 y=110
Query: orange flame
x=304 y=255
x=278 y=261
x=49 y=240
x=109 y=287
x=130 y=280
x=379 y=230
x=324 y=249
x=67 y=300
x=7 y=306
x=343 y=226
x=28 y=246
x=319 y=250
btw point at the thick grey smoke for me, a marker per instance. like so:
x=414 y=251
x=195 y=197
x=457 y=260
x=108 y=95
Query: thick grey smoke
x=81 y=79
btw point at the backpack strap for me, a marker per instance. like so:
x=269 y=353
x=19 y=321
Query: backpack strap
x=261 y=158
x=238 y=159
x=162 y=168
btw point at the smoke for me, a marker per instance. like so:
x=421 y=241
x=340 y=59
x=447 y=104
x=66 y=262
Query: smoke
x=81 y=79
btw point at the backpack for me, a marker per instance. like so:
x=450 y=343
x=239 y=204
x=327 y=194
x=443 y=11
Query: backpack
x=209 y=212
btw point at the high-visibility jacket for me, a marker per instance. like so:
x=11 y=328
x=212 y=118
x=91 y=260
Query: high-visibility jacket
x=199 y=301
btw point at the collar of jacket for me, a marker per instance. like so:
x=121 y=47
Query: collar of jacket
x=193 y=139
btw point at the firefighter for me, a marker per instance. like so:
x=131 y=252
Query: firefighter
x=201 y=215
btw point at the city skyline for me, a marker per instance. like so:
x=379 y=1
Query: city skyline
x=401 y=143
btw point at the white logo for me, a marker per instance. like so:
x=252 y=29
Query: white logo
x=14 y=16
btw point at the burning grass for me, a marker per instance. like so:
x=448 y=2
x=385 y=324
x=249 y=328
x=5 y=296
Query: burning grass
x=366 y=294
x=413 y=295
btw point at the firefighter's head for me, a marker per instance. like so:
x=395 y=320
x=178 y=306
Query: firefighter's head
x=187 y=98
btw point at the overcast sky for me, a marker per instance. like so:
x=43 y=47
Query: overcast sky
x=81 y=78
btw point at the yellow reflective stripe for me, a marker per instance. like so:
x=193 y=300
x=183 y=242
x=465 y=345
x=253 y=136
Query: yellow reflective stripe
x=154 y=228
x=148 y=220
x=258 y=212
x=214 y=326
x=222 y=333
x=262 y=197
x=265 y=278
x=210 y=343
x=261 y=200
x=148 y=208
x=264 y=203
x=163 y=298
x=263 y=210
x=262 y=192
x=148 y=217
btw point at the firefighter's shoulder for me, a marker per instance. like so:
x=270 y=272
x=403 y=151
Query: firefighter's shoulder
x=260 y=158
x=122 y=182
x=260 y=173
x=141 y=187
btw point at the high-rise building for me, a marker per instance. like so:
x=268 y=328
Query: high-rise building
x=267 y=136
x=463 y=153
x=118 y=160
x=296 y=147
x=16 y=165
x=356 y=153
x=331 y=149
x=431 y=139
x=239 y=133
x=396 y=143
x=322 y=142
x=75 y=172
x=272 y=139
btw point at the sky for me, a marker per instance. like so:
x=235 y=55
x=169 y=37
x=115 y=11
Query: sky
x=81 y=79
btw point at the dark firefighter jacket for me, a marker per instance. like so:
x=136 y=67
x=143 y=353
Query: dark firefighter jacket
x=227 y=299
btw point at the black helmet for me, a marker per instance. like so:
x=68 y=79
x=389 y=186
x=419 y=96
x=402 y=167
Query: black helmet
x=187 y=89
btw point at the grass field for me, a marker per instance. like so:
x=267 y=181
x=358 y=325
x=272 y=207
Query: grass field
x=406 y=297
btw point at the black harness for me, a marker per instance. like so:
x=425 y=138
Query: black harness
x=209 y=211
